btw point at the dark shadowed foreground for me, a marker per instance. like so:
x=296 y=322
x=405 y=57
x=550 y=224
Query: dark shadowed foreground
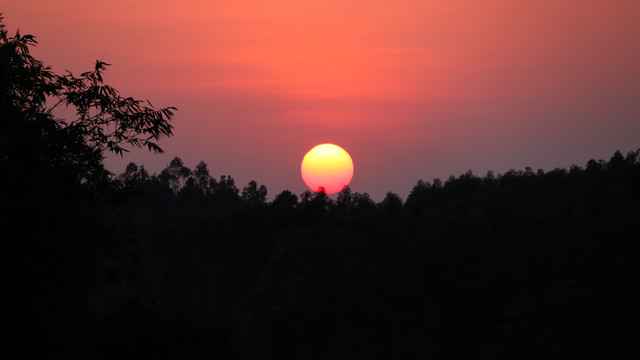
x=522 y=265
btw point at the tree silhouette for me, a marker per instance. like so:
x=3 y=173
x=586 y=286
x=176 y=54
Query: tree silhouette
x=253 y=194
x=203 y=179
x=363 y=202
x=53 y=178
x=134 y=174
x=391 y=206
x=175 y=175
x=225 y=192
x=285 y=200
x=345 y=198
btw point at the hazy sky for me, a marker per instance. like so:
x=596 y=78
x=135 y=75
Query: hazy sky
x=412 y=89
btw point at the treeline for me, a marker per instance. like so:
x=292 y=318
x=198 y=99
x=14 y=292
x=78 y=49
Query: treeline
x=520 y=265
x=182 y=265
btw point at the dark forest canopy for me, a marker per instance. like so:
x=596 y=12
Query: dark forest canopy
x=183 y=264
x=180 y=181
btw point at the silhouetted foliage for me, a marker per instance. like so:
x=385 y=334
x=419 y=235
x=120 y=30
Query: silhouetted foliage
x=66 y=257
x=175 y=175
x=202 y=179
x=182 y=264
x=253 y=194
x=345 y=198
x=391 y=207
x=285 y=200
x=520 y=265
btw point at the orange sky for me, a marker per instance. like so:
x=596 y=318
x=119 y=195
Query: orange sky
x=412 y=89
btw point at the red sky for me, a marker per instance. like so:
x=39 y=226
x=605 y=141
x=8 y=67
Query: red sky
x=412 y=89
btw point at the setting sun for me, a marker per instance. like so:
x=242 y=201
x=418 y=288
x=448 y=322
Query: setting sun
x=327 y=166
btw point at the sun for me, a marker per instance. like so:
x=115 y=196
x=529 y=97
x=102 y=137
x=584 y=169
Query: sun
x=327 y=166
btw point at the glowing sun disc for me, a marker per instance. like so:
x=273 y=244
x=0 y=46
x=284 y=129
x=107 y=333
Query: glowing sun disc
x=327 y=166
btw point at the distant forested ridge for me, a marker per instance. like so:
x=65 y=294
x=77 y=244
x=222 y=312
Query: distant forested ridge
x=184 y=264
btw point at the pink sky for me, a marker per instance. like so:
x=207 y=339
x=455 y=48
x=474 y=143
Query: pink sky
x=412 y=89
